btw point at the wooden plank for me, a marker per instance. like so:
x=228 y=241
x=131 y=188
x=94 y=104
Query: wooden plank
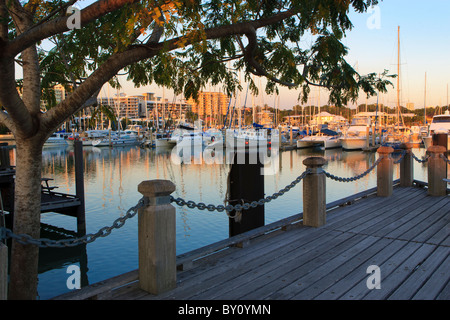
x=403 y=230
x=342 y=216
x=435 y=285
x=187 y=258
x=427 y=227
x=245 y=267
x=402 y=272
x=408 y=221
x=304 y=281
x=270 y=248
x=359 y=275
x=320 y=281
x=360 y=290
x=282 y=273
x=442 y=236
x=377 y=216
x=360 y=215
x=403 y=214
x=100 y=287
x=419 y=275
x=445 y=293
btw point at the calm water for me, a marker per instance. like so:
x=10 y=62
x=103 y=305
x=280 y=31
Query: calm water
x=111 y=179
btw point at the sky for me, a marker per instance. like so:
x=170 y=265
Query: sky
x=372 y=44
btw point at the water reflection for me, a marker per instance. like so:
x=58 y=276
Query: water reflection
x=111 y=180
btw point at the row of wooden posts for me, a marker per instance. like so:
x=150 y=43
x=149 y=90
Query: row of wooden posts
x=157 y=249
x=157 y=220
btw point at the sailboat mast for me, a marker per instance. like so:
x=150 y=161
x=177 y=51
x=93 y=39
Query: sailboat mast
x=425 y=102
x=398 y=77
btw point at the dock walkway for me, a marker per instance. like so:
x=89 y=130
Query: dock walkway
x=406 y=235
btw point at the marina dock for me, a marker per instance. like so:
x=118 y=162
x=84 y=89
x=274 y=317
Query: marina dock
x=406 y=235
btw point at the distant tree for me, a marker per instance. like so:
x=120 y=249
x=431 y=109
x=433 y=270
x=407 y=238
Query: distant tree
x=181 y=44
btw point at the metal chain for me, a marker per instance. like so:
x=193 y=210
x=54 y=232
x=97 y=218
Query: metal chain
x=444 y=158
x=72 y=242
x=239 y=207
x=401 y=157
x=333 y=177
x=419 y=160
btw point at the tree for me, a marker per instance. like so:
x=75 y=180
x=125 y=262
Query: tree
x=180 y=44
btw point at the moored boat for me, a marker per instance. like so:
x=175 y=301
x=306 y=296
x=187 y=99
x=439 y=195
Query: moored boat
x=439 y=124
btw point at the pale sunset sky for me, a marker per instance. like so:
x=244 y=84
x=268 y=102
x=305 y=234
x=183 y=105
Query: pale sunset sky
x=372 y=44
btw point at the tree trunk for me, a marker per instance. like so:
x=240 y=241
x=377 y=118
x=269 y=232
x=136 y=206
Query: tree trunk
x=27 y=211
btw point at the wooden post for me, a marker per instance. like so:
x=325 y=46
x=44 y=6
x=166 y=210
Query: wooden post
x=407 y=166
x=367 y=137
x=79 y=187
x=314 y=193
x=385 y=172
x=440 y=139
x=4 y=156
x=246 y=183
x=373 y=135
x=437 y=171
x=380 y=135
x=3 y=271
x=157 y=238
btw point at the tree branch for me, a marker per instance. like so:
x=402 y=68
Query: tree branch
x=11 y=101
x=58 y=25
x=74 y=102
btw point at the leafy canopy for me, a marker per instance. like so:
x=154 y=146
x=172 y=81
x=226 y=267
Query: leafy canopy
x=190 y=53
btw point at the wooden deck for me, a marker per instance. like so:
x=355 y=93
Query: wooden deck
x=407 y=236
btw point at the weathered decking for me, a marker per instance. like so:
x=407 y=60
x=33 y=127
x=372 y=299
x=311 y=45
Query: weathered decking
x=406 y=236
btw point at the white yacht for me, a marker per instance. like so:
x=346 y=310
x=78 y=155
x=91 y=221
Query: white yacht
x=326 y=139
x=116 y=141
x=189 y=139
x=56 y=139
x=249 y=138
x=88 y=136
x=439 y=124
x=355 y=137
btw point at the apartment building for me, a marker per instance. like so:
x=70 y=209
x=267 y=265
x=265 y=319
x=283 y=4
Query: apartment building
x=210 y=104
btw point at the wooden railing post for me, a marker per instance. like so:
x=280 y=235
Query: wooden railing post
x=3 y=271
x=314 y=193
x=385 y=172
x=407 y=166
x=157 y=238
x=437 y=171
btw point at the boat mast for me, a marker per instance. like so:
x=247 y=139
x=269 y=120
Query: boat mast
x=398 y=77
x=425 y=102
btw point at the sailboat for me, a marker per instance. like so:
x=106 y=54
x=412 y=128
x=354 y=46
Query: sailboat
x=324 y=138
x=399 y=134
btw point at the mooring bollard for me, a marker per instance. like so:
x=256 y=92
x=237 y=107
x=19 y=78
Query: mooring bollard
x=314 y=193
x=385 y=172
x=406 y=166
x=157 y=238
x=437 y=171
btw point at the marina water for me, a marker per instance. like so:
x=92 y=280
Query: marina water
x=111 y=179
